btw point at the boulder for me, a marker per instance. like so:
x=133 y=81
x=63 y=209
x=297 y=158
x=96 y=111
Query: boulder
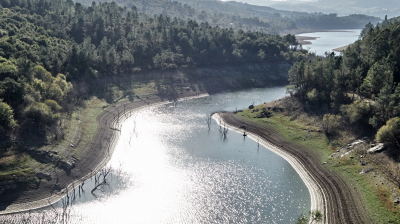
x=251 y=107
x=377 y=148
x=366 y=170
x=44 y=156
x=264 y=114
x=67 y=165
x=57 y=187
x=41 y=175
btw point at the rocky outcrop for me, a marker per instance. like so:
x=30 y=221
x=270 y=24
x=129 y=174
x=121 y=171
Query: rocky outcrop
x=264 y=114
x=41 y=175
x=66 y=165
x=41 y=156
x=377 y=148
x=58 y=187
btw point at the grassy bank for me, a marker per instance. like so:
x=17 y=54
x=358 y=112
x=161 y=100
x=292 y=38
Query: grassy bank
x=79 y=129
x=18 y=156
x=376 y=191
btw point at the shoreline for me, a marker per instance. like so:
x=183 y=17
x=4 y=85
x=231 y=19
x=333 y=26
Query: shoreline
x=341 y=49
x=341 y=200
x=303 y=40
x=318 y=198
x=87 y=145
x=89 y=166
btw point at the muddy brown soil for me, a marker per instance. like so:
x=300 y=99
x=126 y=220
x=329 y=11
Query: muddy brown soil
x=342 y=201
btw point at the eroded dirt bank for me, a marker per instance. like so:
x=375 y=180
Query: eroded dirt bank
x=343 y=204
x=101 y=149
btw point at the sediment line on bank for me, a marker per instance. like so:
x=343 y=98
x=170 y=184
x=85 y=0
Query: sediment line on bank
x=330 y=194
x=318 y=200
x=95 y=159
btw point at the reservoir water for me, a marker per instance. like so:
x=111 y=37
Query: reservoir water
x=168 y=167
x=331 y=39
x=175 y=170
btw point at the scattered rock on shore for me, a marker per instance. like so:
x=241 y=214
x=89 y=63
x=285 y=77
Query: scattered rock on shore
x=57 y=187
x=264 y=114
x=366 y=170
x=66 y=165
x=41 y=156
x=41 y=175
x=377 y=148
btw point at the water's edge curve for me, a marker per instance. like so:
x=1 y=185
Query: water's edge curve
x=106 y=154
x=318 y=199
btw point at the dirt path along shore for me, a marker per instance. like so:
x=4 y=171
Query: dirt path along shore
x=101 y=149
x=343 y=203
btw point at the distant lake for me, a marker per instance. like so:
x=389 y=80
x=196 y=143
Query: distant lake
x=331 y=39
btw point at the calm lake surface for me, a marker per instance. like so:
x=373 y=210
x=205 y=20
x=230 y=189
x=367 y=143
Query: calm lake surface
x=168 y=167
x=327 y=41
x=177 y=171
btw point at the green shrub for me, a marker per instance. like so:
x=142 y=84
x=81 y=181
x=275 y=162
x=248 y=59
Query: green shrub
x=357 y=111
x=390 y=133
x=41 y=114
x=331 y=123
x=53 y=105
x=6 y=116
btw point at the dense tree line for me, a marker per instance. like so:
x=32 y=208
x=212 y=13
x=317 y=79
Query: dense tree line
x=48 y=48
x=211 y=14
x=360 y=87
x=384 y=23
x=244 y=16
x=332 y=21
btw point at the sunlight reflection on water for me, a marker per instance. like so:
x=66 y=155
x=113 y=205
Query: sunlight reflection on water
x=176 y=171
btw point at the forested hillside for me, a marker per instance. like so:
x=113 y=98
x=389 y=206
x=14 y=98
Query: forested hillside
x=384 y=23
x=238 y=15
x=359 y=91
x=342 y=7
x=369 y=68
x=51 y=51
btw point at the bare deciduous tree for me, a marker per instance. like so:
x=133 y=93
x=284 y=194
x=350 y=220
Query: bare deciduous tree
x=208 y=120
x=103 y=173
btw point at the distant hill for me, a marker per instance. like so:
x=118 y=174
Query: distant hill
x=342 y=7
x=244 y=16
